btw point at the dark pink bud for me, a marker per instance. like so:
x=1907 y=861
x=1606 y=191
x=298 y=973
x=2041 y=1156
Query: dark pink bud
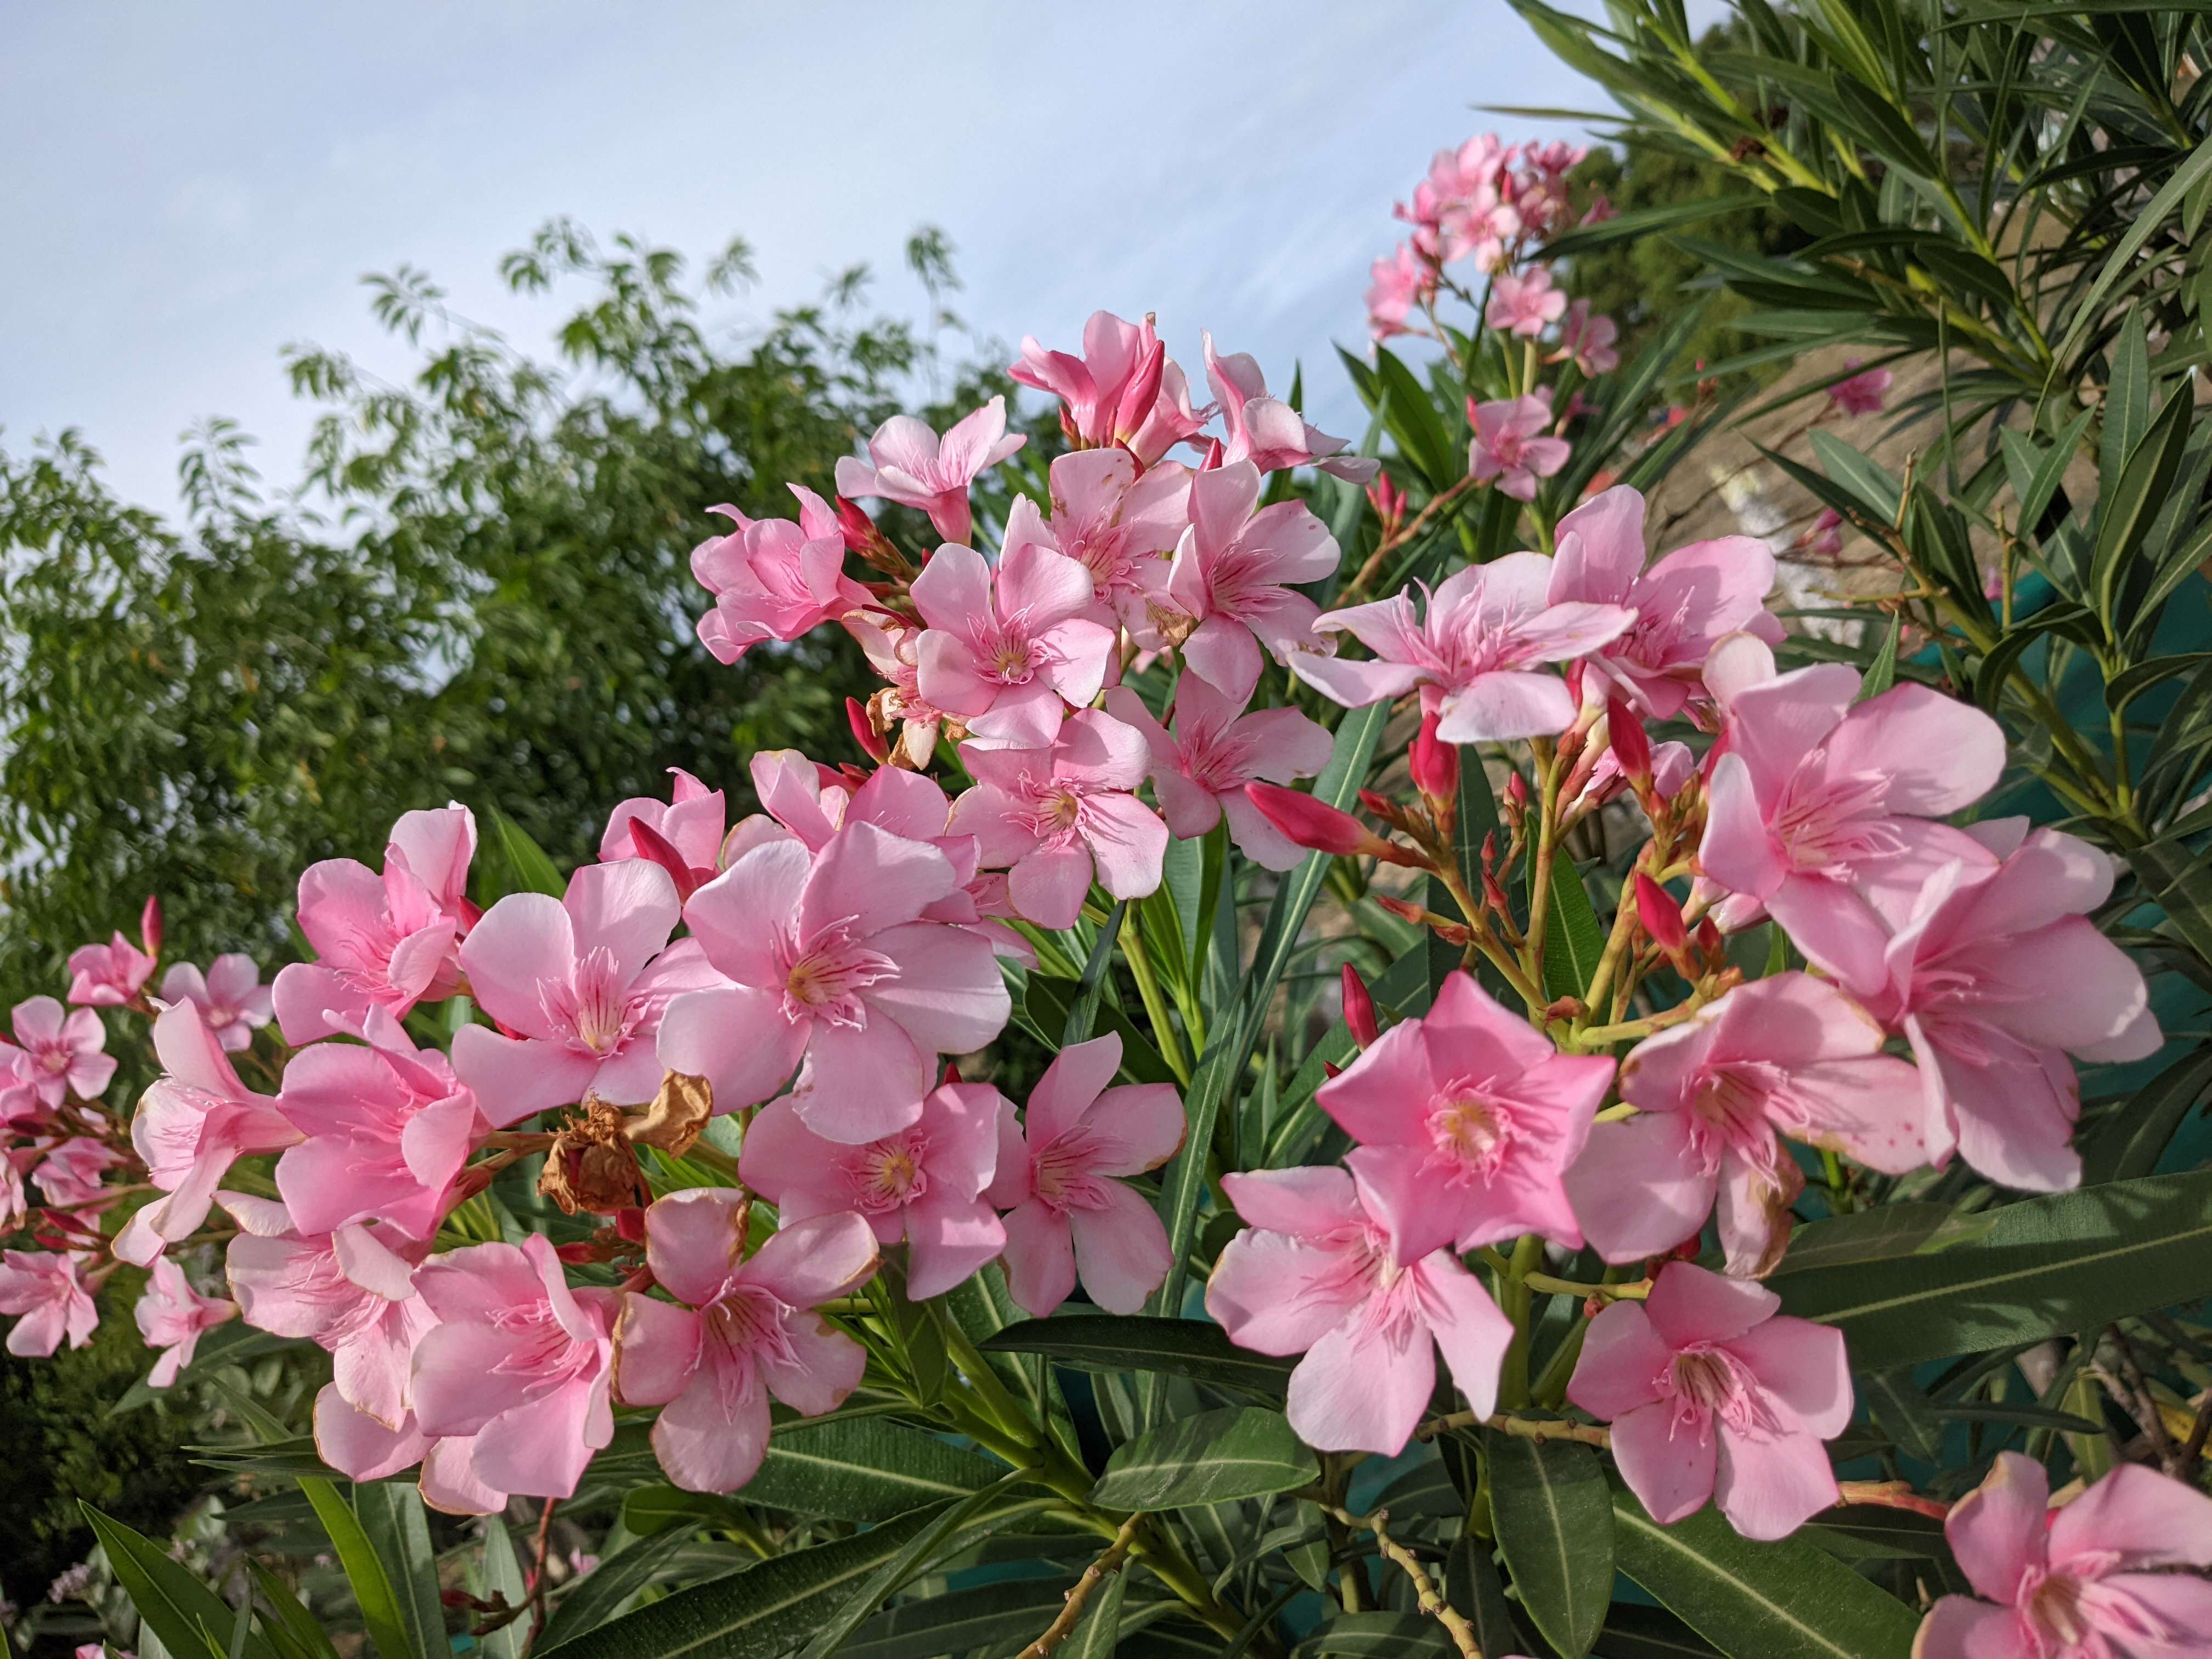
x=149 y=925
x=857 y=527
x=1139 y=395
x=1435 y=763
x=1211 y=459
x=1661 y=916
x=630 y=1223
x=1517 y=791
x=1631 y=747
x=652 y=845
x=951 y=1072
x=1359 y=1008
x=1379 y=805
x=872 y=743
x=1310 y=822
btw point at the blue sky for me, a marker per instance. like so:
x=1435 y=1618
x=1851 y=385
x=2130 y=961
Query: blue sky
x=191 y=187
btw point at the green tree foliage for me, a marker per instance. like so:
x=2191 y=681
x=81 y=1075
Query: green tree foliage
x=480 y=590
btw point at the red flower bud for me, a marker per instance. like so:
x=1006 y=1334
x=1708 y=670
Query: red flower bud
x=872 y=743
x=652 y=845
x=1329 y=1069
x=1398 y=907
x=630 y=1223
x=1210 y=461
x=856 y=527
x=1310 y=822
x=149 y=925
x=1517 y=791
x=1661 y=916
x=1435 y=763
x=1359 y=1008
x=1631 y=747
x=1142 y=391
x=951 y=1072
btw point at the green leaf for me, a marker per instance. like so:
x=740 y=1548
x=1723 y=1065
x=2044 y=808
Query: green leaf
x=2071 y=1262
x=1472 y=1586
x=2125 y=513
x=528 y=869
x=1574 y=942
x=1878 y=494
x=2176 y=877
x=503 y=1576
x=1412 y=420
x=597 y=1596
x=1639 y=1632
x=2145 y=224
x=292 y=1629
x=2124 y=687
x=1554 y=1521
x=1900 y=1406
x=382 y=1610
x=865 y=1468
x=1641 y=222
x=1879 y=1234
x=649 y=1511
x=193 y=1621
x=1881 y=673
x=1045 y=1007
x=2127 y=400
x=2129 y=1143
x=959 y=1621
x=1098 y=1632
x=1781 y=1601
x=1174 y=1347
x=392 y=1517
x=1083 y=1010
x=1376 y=1636
x=1239 y=1451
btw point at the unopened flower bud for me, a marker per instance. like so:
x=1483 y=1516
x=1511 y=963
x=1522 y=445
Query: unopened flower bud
x=1330 y=1068
x=149 y=925
x=1631 y=747
x=1317 y=825
x=1388 y=503
x=1210 y=461
x=952 y=1072
x=1435 y=763
x=630 y=1225
x=1139 y=395
x=1359 y=1008
x=1381 y=805
x=872 y=743
x=658 y=849
x=1516 y=792
x=1661 y=916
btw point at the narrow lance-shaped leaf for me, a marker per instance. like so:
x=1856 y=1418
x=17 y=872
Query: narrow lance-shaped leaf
x=1239 y=1451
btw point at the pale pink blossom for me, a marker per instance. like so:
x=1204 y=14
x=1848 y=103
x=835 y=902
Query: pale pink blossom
x=1586 y=341
x=773 y=578
x=1477 y=655
x=1713 y=1396
x=892 y=647
x=69 y=1174
x=1266 y=431
x=173 y=1316
x=1995 y=976
x=1068 y=1211
x=923 y=1185
x=1054 y=817
x=519 y=1363
x=2085 y=1583
x=387 y=1131
x=833 y=961
x=1524 y=302
x=1685 y=604
x=577 y=985
x=46 y=1288
x=190 y=1125
x=1464 y=206
x=1862 y=393
x=1466 y=1120
x=742 y=1328
x=1200 y=766
x=689 y=822
x=1317 y=1275
x=1511 y=444
x=385 y=942
x=916 y=468
x=1825 y=809
x=1786 y=1055
x=1672 y=766
x=1119 y=522
x=1233 y=575
x=1123 y=390
x=108 y=976
x=1396 y=288
x=62 y=1051
x=1003 y=648
x=21 y=1107
x=230 y=995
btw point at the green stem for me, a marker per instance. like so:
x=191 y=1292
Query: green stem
x=1513 y=1381
x=1156 y=1007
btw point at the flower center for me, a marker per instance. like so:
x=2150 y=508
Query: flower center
x=1706 y=1381
x=1729 y=1112
x=824 y=978
x=595 y=1006
x=1063 y=1171
x=890 y=1173
x=1471 y=1131
x=1834 y=823
x=1054 y=811
x=2051 y=1606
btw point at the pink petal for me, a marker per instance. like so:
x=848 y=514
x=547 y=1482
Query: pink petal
x=1040 y=1259
x=1688 y=1304
x=1769 y=1487
x=1936 y=753
x=710 y=1441
x=1145 y=1124
x=948 y=1240
x=861 y=1083
x=656 y=1350
x=1275 y=1295
x=825 y=1367
x=1470 y=1329
x=739 y=1040
x=1737 y=851
x=1998 y=1530
x=1049 y=885
x=1121 y=1250
x=2150 y=1519
x=521 y=943
x=1803 y=1366
x=1127 y=842
x=692 y=1244
x=734 y=916
x=1222 y=651
x=1307 y=1201
x=1365 y=1386
x=1670 y=1466
x=357 y=1445
x=1077 y=1075
x=514 y=1079
x=1601 y=547
x=1505 y=706
x=949 y=995
x=1637 y=1188
x=811 y=1262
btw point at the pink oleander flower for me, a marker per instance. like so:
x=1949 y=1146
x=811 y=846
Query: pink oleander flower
x=579 y=984
x=1685 y=604
x=230 y=995
x=1712 y=1396
x=1054 y=817
x=1586 y=341
x=61 y=1054
x=916 y=468
x=108 y=976
x=385 y=942
x=1462 y=207
x=2082 y=1583
x=1524 y=302
x=1266 y=431
x=519 y=1363
x=1466 y=1120
x=690 y=821
x=1004 y=647
x=893 y=649
x=773 y=578
x=69 y=1174
x=1477 y=654
x=834 y=962
x=1068 y=1212
x=742 y=1328
x=1317 y=1275
x=1786 y=1055
x=1233 y=578
x=46 y=1288
x=923 y=1185
x=1996 y=975
x=1512 y=446
x=1397 y=286
x=387 y=1131
x=1823 y=809
x=173 y=1316
x=1672 y=766
x=1122 y=391
x=1825 y=538
x=190 y=1125
x=1119 y=523
x=1861 y=394
x=1198 y=770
